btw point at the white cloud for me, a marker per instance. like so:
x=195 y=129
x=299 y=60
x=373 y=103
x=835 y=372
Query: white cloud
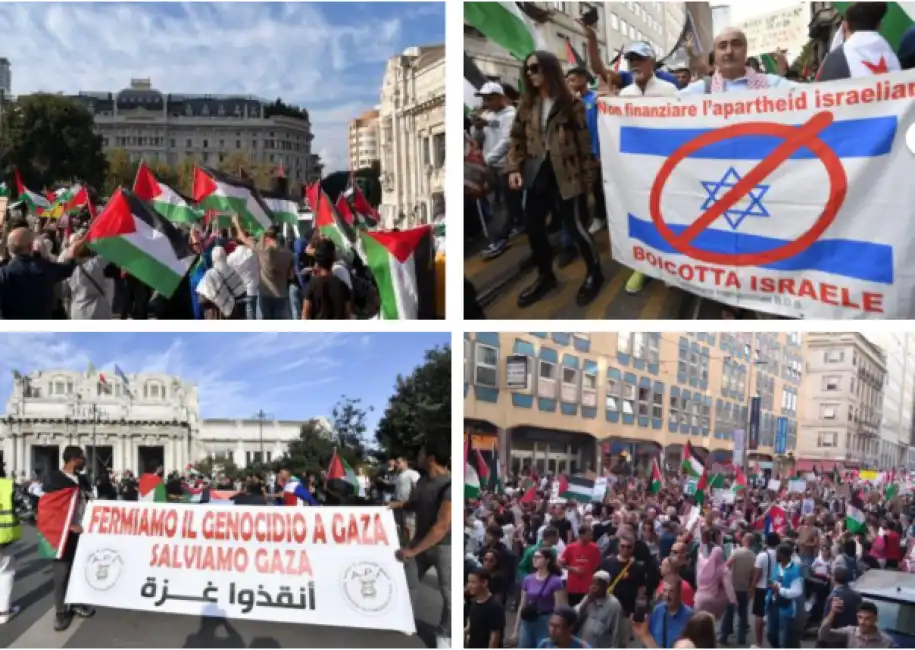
x=288 y=51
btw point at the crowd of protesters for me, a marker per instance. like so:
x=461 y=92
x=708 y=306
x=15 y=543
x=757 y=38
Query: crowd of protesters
x=654 y=569
x=536 y=153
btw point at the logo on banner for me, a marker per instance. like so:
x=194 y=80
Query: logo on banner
x=368 y=588
x=103 y=568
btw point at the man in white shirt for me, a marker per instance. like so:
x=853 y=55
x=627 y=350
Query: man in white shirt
x=494 y=126
x=245 y=263
x=642 y=65
x=403 y=486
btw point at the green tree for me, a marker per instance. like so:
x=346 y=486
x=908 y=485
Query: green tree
x=52 y=139
x=185 y=174
x=310 y=452
x=166 y=173
x=348 y=425
x=120 y=171
x=227 y=466
x=419 y=412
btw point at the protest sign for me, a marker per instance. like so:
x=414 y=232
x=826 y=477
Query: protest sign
x=319 y=566
x=775 y=484
x=796 y=485
x=782 y=200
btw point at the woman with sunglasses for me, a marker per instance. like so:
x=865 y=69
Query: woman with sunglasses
x=541 y=593
x=550 y=156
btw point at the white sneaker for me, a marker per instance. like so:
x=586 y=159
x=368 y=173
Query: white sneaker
x=442 y=642
x=4 y=618
x=597 y=225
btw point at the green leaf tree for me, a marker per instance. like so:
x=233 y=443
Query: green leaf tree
x=51 y=139
x=419 y=412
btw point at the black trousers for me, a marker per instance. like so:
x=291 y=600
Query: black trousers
x=600 y=203
x=512 y=202
x=543 y=198
x=61 y=577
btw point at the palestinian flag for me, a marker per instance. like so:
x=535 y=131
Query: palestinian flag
x=495 y=473
x=339 y=469
x=329 y=222
x=768 y=63
x=575 y=59
x=740 y=481
x=214 y=190
x=345 y=211
x=482 y=467
x=471 y=482
x=892 y=487
x=506 y=25
x=655 y=485
x=367 y=215
x=68 y=200
x=165 y=200
x=473 y=81
x=4 y=190
x=284 y=209
x=138 y=239
x=899 y=17
x=55 y=512
x=151 y=488
x=529 y=495
x=577 y=488
x=701 y=488
x=195 y=495
x=854 y=516
x=403 y=265
x=691 y=465
x=716 y=481
x=37 y=203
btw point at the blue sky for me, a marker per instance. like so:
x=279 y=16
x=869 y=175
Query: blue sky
x=293 y=376
x=328 y=57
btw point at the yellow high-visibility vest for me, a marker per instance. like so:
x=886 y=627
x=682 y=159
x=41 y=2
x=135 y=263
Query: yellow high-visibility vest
x=10 y=530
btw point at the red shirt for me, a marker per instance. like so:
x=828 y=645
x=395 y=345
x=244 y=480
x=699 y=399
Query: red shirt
x=893 y=546
x=585 y=557
x=687 y=595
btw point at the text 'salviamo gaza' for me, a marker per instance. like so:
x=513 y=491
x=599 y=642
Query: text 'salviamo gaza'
x=331 y=566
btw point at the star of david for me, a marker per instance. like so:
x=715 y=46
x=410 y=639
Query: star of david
x=717 y=189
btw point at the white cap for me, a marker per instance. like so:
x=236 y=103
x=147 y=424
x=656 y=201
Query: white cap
x=490 y=88
x=639 y=48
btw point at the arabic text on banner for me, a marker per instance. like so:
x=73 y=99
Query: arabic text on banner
x=790 y=201
x=319 y=566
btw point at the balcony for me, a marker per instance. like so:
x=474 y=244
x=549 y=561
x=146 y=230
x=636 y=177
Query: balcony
x=868 y=429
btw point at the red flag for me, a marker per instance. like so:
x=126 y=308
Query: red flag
x=530 y=495
x=335 y=468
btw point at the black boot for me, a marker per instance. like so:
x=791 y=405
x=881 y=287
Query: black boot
x=542 y=286
x=589 y=288
x=62 y=620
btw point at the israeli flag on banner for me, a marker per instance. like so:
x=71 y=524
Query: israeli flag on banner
x=797 y=203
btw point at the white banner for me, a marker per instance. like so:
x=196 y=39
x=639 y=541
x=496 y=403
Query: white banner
x=319 y=566
x=785 y=201
x=797 y=485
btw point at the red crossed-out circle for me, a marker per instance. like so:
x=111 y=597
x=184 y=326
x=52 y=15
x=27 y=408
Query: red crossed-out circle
x=793 y=138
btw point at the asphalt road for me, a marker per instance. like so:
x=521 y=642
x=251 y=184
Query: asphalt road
x=502 y=279
x=117 y=628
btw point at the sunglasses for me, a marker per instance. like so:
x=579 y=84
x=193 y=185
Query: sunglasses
x=533 y=68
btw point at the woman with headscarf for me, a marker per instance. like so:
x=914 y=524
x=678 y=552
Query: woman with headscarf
x=713 y=583
x=221 y=291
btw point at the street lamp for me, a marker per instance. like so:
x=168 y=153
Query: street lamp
x=260 y=416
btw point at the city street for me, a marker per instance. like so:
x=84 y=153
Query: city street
x=115 y=628
x=498 y=283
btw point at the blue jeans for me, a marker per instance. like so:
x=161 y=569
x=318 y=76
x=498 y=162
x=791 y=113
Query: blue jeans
x=533 y=632
x=296 y=298
x=743 y=623
x=778 y=628
x=274 y=308
x=251 y=307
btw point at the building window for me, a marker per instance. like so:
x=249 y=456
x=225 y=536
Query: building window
x=238 y=144
x=206 y=144
x=834 y=356
x=828 y=411
x=638 y=345
x=827 y=439
x=654 y=347
x=628 y=398
x=546 y=382
x=685 y=409
x=657 y=405
x=624 y=343
x=673 y=411
x=486 y=370
x=613 y=396
x=190 y=143
x=569 y=392
x=438 y=144
x=830 y=382
x=644 y=399
x=614 y=21
x=589 y=389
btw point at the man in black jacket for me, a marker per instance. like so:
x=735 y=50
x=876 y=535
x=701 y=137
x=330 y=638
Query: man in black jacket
x=27 y=282
x=68 y=477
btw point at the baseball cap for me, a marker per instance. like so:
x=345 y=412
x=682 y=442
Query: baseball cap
x=490 y=88
x=639 y=48
x=602 y=576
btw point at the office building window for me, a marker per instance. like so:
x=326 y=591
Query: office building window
x=546 y=382
x=613 y=396
x=624 y=343
x=629 y=394
x=486 y=370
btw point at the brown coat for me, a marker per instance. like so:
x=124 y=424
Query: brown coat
x=569 y=146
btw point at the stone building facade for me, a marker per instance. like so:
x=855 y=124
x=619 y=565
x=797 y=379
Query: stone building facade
x=156 y=422
x=412 y=130
x=157 y=127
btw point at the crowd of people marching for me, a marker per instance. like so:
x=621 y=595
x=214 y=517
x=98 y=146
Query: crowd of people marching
x=648 y=566
x=521 y=167
x=47 y=272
